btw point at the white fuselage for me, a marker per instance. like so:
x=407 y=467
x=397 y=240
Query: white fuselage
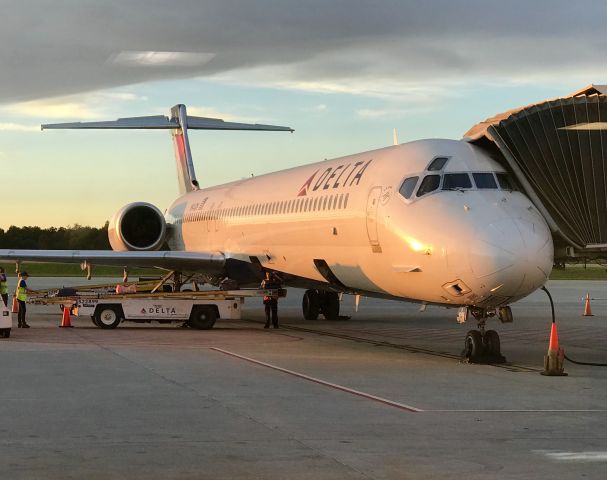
x=484 y=247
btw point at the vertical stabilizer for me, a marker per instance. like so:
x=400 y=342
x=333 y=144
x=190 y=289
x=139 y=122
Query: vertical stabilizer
x=186 y=177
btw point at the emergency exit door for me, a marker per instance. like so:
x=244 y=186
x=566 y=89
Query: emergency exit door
x=372 y=207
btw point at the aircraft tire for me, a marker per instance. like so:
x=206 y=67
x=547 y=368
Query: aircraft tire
x=473 y=346
x=6 y=332
x=108 y=316
x=310 y=304
x=202 y=318
x=330 y=305
x=492 y=343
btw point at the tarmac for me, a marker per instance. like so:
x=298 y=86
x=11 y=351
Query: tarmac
x=382 y=395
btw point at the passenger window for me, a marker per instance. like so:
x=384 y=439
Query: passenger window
x=408 y=186
x=429 y=184
x=437 y=164
x=484 y=180
x=454 y=181
x=505 y=181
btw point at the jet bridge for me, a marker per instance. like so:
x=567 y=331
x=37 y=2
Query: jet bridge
x=557 y=149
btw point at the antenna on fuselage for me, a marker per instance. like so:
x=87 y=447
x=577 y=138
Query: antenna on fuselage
x=179 y=124
x=395 y=137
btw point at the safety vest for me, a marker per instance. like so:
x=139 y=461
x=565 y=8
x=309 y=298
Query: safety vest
x=21 y=292
x=3 y=287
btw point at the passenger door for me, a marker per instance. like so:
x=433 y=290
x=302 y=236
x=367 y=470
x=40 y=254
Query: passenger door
x=372 y=206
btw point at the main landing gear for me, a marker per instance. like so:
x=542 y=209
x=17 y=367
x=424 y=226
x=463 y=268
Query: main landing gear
x=483 y=346
x=316 y=302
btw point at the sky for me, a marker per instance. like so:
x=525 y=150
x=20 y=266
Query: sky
x=342 y=73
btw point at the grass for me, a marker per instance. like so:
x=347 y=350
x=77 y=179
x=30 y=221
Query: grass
x=578 y=272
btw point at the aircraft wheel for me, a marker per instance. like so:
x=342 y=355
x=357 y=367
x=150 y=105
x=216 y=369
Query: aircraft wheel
x=202 y=318
x=311 y=304
x=493 y=347
x=492 y=343
x=6 y=332
x=108 y=316
x=473 y=346
x=330 y=305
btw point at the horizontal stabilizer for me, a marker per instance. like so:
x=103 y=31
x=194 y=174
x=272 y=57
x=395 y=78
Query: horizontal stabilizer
x=154 y=121
x=178 y=123
x=204 y=123
x=163 y=122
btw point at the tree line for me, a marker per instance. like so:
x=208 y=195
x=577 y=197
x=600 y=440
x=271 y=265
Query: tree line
x=74 y=237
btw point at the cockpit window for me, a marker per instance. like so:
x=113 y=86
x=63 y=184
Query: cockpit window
x=437 y=164
x=455 y=181
x=406 y=189
x=429 y=184
x=485 y=181
x=505 y=181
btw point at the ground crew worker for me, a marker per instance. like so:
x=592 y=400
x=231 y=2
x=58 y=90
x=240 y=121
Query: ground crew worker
x=3 y=287
x=270 y=302
x=21 y=295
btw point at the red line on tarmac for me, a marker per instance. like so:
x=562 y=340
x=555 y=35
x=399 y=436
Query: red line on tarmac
x=358 y=393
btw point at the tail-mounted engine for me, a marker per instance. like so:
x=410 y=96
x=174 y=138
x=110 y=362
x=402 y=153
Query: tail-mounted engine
x=137 y=226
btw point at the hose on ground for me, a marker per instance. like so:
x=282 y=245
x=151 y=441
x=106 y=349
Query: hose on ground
x=591 y=364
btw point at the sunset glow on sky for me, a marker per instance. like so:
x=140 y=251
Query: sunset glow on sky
x=342 y=74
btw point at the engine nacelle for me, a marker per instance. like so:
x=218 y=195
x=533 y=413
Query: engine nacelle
x=137 y=226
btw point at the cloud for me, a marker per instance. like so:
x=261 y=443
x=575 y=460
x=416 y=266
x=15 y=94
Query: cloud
x=18 y=127
x=362 y=47
x=320 y=108
x=160 y=59
x=56 y=108
x=201 y=111
x=122 y=96
x=88 y=106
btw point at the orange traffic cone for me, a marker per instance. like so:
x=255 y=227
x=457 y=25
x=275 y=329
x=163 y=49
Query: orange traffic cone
x=66 y=321
x=553 y=362
x=587 y=310
x=15 y=306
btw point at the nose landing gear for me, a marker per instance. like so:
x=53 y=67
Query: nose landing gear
x=482 y=346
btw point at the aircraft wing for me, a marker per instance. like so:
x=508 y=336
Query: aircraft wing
x=207 y=262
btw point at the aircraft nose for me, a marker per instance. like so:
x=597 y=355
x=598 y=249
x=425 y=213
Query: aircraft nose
x=512 y=257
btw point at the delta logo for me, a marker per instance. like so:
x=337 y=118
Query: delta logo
x=159 y=310
x=303 y=191
x=341 y=176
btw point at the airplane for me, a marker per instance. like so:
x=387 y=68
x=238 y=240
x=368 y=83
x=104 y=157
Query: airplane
x=432 y=221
